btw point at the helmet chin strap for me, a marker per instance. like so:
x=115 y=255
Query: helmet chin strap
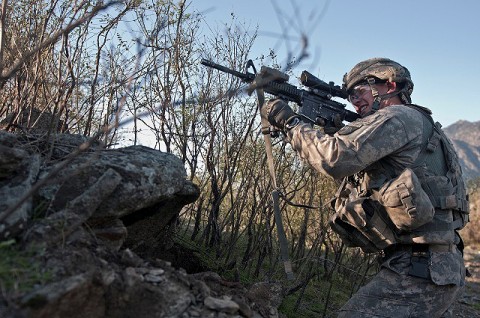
x=377 y=98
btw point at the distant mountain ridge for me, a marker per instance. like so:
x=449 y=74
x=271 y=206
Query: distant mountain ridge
x=465 y=137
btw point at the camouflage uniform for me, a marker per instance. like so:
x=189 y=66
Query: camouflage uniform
x=392 y=137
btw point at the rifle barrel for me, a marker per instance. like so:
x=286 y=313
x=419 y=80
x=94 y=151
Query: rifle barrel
x=244 y=76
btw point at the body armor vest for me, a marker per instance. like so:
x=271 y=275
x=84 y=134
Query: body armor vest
x=425 y=203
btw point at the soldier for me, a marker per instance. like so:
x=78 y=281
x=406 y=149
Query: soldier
x=402 y=193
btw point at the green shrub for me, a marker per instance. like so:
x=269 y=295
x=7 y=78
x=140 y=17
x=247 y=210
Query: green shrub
x=21 y=270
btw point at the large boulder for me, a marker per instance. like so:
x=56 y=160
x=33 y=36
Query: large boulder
x=150 y=193
x=95 y=223
x=135 y=190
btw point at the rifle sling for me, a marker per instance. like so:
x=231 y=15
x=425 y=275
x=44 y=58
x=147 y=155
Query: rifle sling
x=282 y=238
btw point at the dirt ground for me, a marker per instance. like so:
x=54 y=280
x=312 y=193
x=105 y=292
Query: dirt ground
x=469 y=304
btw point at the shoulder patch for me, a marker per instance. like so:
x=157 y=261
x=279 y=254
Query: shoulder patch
x=347 y=130
x=356 y=124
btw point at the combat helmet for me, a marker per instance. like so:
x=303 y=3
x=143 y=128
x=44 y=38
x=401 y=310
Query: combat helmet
x=380 y=69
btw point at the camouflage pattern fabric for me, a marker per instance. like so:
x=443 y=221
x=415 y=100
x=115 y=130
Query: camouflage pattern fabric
x=383 y=69
x=389 y=294
x=394 y=137
x=393 y=133
x=379 y=67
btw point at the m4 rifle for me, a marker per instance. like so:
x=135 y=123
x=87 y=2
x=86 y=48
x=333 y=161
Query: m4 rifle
x=315 y=102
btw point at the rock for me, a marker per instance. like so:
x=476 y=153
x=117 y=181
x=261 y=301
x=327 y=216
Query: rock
x=157 y=272
x=222 y=305
x=76 y=296
x=33 y=119
x=131 y=277
x=148 y=177
x=152 y=191
x=19 y=171
x=135 y=190
x=129 y=258
x=112 y=233
x=267 y=297
x=101 y=225
x=61 y=224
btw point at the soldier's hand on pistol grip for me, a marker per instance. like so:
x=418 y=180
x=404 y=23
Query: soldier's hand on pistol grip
x=329 y=129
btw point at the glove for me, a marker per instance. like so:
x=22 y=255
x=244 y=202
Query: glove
x=330 y=130
x=279 y=114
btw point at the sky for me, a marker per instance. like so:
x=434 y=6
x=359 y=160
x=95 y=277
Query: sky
x=437 y=40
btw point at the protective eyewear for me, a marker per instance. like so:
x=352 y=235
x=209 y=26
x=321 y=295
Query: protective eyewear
x=358 y=92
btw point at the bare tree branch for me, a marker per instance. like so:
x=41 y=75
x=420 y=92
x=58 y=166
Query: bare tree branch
x=52 y=39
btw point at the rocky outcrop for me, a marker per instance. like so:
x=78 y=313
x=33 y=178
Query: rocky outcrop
x=465 y=137
x=99 y=221
x=99 y=186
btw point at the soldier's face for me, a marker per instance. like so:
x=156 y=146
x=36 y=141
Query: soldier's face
x=362 y=98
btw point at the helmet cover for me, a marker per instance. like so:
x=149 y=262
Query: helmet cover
x=380 y=68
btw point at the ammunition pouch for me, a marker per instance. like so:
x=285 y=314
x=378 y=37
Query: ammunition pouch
x=405 y=201
x=363 y=223
x=351 y=236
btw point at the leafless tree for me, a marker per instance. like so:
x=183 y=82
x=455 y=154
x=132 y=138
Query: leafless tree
x=90 y=64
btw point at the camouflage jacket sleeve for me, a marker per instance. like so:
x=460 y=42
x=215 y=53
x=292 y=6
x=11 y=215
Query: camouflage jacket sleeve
x=393 y=134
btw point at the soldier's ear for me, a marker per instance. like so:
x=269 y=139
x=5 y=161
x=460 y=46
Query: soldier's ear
x=391 y=87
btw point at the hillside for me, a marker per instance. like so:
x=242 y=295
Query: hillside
x=465 y=137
